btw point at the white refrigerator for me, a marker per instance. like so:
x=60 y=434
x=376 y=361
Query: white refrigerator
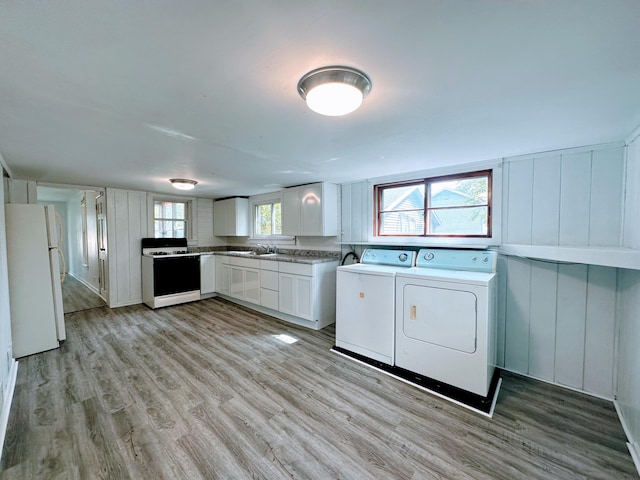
x=35 y=292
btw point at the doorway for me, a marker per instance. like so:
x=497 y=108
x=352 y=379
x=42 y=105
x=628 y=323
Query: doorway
x=83 y=225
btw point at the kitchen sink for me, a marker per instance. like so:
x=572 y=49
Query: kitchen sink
x=251 y=254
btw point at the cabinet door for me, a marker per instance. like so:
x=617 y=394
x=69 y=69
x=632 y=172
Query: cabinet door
x=285 y=296
x=311 y=208
x=220 y=218
x=303 y=297
x=219 y=274
x=207 y=273
x=252 y=285
x=291 y=211
x=226 y=279
x=236 y=281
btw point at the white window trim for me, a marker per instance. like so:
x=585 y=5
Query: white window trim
x=262 y=199
x=192 y=227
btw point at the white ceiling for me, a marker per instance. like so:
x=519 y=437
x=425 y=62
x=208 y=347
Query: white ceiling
x=130 y=94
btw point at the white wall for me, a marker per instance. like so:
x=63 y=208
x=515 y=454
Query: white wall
x=8 y=366
x=556 y=322
x=87 y=274
x=127 y=220
x=570 y=198
x=628 y=378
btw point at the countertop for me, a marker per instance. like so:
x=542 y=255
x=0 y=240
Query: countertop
x=278 y=257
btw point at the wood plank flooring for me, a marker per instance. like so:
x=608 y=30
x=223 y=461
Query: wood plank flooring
x=76 y=296
x=206 y=390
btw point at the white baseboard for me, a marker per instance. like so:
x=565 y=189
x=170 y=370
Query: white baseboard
x=6 y=405
x=86 y=284
x=632 y=445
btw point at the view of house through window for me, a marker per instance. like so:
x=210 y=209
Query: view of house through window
x=268 y=219
x=455 y=205
x=169 y=219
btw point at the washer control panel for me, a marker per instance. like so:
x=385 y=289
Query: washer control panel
x=383 y=256
x=455 y=259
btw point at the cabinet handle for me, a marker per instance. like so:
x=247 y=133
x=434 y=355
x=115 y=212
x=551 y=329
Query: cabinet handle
x=412 y=313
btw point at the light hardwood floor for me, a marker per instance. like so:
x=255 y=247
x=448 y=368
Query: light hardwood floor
x=207 y=390
x=77 y=296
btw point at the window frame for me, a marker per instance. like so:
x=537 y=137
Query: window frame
x=427 y=182
x=255 y=206
x=186 y=220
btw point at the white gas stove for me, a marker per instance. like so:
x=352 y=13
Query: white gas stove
x=170 y=273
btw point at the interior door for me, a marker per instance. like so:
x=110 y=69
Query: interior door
x=101 y=225
x=440 y=316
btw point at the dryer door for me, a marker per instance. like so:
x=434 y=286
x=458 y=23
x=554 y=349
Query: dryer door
x=440 y=316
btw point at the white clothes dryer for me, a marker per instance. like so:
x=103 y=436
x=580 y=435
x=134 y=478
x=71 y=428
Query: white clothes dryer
x=365 y=303
x=446 y=318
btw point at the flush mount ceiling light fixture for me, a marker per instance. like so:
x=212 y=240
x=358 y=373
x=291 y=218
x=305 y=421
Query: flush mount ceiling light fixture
x=334 y=91
x=183 y=183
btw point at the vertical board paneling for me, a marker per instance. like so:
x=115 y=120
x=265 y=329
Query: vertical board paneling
x=205 y=222
x=628 y=380
x=520 y=206
x=632 y=196
x=127 y=223
x=600 y=331
x=542 y=340
x=122 y=245
x=346 y=212
x=546 y=201
x=517 y=315
x=606 y=197
x=575 y=199
x=502 y=305
x=570 y=328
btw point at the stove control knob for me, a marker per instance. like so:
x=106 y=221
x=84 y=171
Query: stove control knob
x=403 y=257
x=429 y=256
x=485 y=259
x=474 y=259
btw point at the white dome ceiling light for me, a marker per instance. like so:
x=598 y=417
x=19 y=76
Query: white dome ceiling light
x=183 y=183
x=334 y=91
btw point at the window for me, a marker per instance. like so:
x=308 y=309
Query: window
x=268 y=219
x=169 y=219
x=450 y=206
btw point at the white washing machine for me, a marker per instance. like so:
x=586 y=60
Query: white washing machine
x=446 y=318
x=365 y=303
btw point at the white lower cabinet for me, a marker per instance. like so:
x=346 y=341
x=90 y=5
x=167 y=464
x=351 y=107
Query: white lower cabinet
x=240 y=281
x=300 y=293
x=296 y=295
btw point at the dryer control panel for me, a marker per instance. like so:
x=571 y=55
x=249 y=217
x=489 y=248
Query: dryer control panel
x=455 y=259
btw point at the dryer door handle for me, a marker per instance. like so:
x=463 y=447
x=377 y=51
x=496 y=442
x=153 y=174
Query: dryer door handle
x=413 y=312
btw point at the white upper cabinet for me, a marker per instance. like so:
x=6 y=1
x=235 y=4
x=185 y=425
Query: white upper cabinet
x=231 y=217
x=310 y=210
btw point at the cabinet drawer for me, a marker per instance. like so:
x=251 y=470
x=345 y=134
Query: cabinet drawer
x=269 y=265
x=296 y=268
x=269 y=298
x=269 y=279
x=245 y=262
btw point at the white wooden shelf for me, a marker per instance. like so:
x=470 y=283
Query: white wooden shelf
x=618 y=257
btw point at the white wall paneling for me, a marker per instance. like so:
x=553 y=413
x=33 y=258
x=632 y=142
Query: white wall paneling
x=8 y=366
x=127 y=216
x=355 y=211
x=628 y=380
x=632 y=196
x=545 y=222
x=570 y=324
x=558 y=323
x=571 y=198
